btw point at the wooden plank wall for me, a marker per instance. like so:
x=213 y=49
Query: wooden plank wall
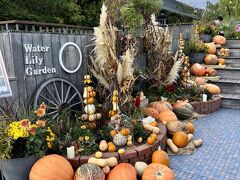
x=23 y=86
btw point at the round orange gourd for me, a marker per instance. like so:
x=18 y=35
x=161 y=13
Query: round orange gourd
x=153 y=135
x=190 y=127
x=89 y=171
x=197 y=70
x=167 y=116
x=180 y=139
x=123 y=171
x=160 y=157
x=161 y=106
x=51 y=167
x=210 y=59
x=125 y=131
x=113 y=132
x=210 y=71
x=154 y=123
x=213 y=89
x=221 y=61
x=111 y=148
x=211 y=48
x=151 y=140
x=219 y=40
x=155 y=171
x=200 y=81
x=151 y=112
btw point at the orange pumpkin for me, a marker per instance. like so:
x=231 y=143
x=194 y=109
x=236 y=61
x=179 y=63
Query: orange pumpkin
x=151 y=112
x=113 y=132
x=155 y=171
x=190 y=127
x=161 y=106
x=51 y=167
x=167 y=116
x=221 y=61
x=210 y=59
x=180 y=139
x=125 y=131
x=123 y=171
x=154 y=123
x=160 y=157
x=213 y=89
x=151 y=140
x=200 y=81
x=219 y=40
x=89 y=171
x=210 y=71
x=211 y=48
x=197 y=70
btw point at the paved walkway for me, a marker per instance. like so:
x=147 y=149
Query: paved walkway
x=219 y=156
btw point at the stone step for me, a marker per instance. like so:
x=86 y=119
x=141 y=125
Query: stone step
x=228 y=86
x=232 y=44
x=232 y=62
x=230 y=101
x=234 y=53
x=229 y=72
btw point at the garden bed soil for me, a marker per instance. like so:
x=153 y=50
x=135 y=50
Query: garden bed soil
x=208 y=107
x=138 y=153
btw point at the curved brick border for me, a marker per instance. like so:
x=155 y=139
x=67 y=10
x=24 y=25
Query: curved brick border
x=207 y=107
x=140 y=153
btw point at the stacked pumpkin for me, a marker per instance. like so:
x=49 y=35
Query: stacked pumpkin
x=89 y=95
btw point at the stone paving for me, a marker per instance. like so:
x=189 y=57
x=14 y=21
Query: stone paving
x=219 y=156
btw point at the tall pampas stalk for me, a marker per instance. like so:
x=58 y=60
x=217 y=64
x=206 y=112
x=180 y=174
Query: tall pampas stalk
x=174 y=73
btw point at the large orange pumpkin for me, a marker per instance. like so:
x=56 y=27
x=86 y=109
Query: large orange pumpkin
x=180 y=139
x=161 y=106
x=123 y=171
x=210 y=71
x=160 y=157
x=190 y=127
x=167 y=116
x=155 y=171
x=221 y=61
x=211 y=48
x=200 y=81
x=52 y=167
x=219 y=40
x=151 y=112
x=213 y=89
x=210 y=59
x=89 y=171
x=197 y=70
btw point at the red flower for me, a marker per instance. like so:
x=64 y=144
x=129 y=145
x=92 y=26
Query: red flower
x=168 y=88
x=137 y=102
x=25 y=123
x=33 y=130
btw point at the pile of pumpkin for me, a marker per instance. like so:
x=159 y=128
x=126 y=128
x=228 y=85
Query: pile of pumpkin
x=180 y=133
x=57 y=167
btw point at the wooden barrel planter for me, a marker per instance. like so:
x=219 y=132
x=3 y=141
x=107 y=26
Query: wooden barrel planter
x=139 y=153
x=208 y=107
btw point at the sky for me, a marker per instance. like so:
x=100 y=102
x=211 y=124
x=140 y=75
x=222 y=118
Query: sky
x=197 y=3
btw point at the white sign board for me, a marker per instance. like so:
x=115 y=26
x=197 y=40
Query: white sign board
x=5 y=89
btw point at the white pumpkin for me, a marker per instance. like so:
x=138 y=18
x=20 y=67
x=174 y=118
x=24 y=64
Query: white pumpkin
x=140 y=167
x=90 y=109
x=119 y=140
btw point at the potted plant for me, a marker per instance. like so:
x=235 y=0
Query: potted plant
x=22 y=142
x=196 y=50
x=207 y=32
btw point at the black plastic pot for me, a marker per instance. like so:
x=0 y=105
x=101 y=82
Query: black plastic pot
x=196 y=57
x=206 y=38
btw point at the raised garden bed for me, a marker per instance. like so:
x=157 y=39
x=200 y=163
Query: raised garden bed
x=139 y=153
x=207 y=107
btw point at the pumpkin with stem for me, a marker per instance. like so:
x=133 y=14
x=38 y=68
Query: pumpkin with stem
x=155 y=171
x=160 y=157
x=123 y=171
x=210 y=59
x=197 y=70
x=210 y=71
x=211 y=48
x=167 y=116
x=89 y=171
x=190 y=127
x=219 y=40
x=180 y=139
x=212 y=88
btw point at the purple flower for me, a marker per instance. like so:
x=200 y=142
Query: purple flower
x=237 y=28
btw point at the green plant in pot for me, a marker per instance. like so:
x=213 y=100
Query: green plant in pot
x=22 y=142
x=196 y=50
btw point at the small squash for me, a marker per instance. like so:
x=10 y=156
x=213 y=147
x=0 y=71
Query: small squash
x=155 y=171
x=160 y=157
x=153 y=123
x=198 y=142
x=111 y=148
x=125 y=131
x=172 y=146
x=200 y=81
x=103 y=146
x=112 y=162
x=121 y=151
x=180 y=139
x=167 y=116
x=106 y=169
x=98 y=154
x=120 y=140
x=140 y=167
x=210 y=59
x=89 y=171
x=210 y=71
x=183 y=110
x=221 y=61
x=190 y=127
x=197 y=70
x=151 y=140
x=212 y=88
x=113 y=132
x=219 y=40
x=211 y=48
x=175 y=126
x=151 y=112
x=160 y=106
x=123 y=171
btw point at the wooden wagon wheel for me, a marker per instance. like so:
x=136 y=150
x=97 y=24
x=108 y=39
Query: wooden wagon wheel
x=58 y=94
